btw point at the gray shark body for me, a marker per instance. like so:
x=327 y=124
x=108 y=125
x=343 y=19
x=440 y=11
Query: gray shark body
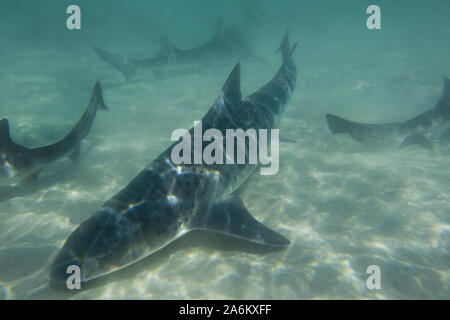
x=165 y=201
x=427 y=129
x=225 y=43
x=26 y=164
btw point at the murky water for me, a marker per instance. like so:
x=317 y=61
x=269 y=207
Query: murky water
x=343 y=205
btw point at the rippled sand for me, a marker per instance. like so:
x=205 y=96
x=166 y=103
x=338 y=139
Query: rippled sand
x=343 y=206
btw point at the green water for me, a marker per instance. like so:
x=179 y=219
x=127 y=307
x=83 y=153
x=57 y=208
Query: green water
x=344 y=206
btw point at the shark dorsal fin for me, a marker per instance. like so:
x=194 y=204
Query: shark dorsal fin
x=232 y=87
x=4 y=131
x=97 y=97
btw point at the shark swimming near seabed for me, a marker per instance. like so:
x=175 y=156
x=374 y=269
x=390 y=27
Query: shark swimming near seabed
x=224 y=44
x=165 y=201
x=25 y=164
x=428 y=129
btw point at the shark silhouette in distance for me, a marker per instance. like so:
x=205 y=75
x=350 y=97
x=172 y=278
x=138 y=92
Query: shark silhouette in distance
x=166 y=202
x=428 y=129
x=25 y=164
x=224 y=44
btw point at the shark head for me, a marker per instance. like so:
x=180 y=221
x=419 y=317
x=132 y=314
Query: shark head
x=111 y=240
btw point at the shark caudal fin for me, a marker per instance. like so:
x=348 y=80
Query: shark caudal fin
x=97 y=98
x=233 y=219
x=120 y=63
x=338 y=124
x=286 y=49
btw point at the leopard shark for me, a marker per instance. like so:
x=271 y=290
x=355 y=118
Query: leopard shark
x=225 y=43
x=428 y=129
x=25 y=164
x=166 y=201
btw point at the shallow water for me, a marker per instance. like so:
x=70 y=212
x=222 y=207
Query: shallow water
x=343 y=205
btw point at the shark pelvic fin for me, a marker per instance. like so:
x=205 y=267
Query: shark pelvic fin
x=232 y=87
x=233 y=219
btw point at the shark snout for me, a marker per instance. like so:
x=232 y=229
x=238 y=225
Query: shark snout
x=92 y=250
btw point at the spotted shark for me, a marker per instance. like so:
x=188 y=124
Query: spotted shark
x=225 y=43
x=428 y=129
x=25 y=164
x=166 y=201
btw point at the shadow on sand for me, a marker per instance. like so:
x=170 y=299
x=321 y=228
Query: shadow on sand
x=193 y=239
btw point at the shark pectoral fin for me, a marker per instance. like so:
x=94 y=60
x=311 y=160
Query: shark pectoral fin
x=75 y=154
x=233 y=219
x=417 y=139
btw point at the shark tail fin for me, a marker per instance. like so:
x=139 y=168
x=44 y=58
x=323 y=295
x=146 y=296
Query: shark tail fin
x=97 y=97
x=338 y=124
x=122 y=64
x=232 y=218
x=286 y=49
